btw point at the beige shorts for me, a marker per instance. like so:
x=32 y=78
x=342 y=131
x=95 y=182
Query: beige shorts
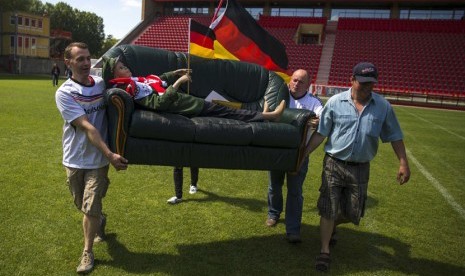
x=88 y=187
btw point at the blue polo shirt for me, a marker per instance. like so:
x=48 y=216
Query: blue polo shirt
x=352 y=136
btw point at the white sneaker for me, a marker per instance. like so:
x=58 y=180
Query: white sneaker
x=87 y=262
x=193 y=189
x=174 y=200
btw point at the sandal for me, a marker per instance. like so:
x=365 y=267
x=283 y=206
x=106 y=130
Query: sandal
x=333 y=240
x=322 y=262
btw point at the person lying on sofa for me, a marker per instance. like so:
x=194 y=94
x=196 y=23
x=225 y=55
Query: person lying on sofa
x=163 y=94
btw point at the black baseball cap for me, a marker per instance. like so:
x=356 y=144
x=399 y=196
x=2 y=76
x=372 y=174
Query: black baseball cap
x=365 y=72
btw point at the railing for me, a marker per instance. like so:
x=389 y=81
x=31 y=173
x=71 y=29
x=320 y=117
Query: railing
x=444 y=101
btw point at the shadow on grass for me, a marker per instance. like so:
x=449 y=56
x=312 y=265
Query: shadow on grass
x=371 y=202
x=355 y=252
x=253 y=205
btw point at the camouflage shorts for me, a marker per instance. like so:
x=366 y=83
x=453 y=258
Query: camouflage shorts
x=343 y=190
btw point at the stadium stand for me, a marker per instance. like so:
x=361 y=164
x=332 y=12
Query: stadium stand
x=169 y=32
x=413 y=56
x=306 y=56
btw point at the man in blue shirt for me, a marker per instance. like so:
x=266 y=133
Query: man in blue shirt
x=353 y=122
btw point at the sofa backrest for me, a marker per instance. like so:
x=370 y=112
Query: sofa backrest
x=144 y=61
x=247 y=83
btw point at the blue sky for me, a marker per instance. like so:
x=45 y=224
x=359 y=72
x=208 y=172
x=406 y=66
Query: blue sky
x=119 y=16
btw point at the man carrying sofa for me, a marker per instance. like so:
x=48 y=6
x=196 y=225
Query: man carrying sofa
x=301 y=99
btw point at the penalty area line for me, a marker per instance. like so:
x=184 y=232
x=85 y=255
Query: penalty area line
x=449 y=199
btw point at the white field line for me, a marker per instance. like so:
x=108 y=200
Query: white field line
x=437 y=185
x=436 y=125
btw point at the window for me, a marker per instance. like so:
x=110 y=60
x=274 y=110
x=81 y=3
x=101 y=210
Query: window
x=26 y=42
x=20 y=20
x=39 y=24
x=304 y=12
x=190 y=9
x=459 y=14
x=430 y=14
x=254 y=12
x=33 y=43
x=201 y=10
x=20 y=41
x=26 y=22
x=12 y=20
x=33 y=23
x=12 y=42
x=309 y=39
x=359 y=13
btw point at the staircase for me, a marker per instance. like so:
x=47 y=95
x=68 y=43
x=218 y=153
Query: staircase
x=327 y=53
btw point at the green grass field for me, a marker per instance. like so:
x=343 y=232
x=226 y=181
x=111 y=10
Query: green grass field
x=415 y=229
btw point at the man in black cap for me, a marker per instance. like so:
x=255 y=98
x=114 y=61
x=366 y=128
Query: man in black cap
x=353 y=122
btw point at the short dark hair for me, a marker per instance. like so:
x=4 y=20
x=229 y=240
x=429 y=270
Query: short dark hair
x=68 y=49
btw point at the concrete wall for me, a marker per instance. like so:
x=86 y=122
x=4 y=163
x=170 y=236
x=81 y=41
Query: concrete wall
x=29 y=65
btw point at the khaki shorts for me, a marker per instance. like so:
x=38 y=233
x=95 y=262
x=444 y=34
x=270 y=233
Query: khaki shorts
x=343 y=191
x=88 y=187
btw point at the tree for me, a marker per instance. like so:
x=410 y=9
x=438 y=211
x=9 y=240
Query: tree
x=84 y=26
x=107 y=44
x=37 y=7
x=90 y=30
x=16 y=5
x=63 y=17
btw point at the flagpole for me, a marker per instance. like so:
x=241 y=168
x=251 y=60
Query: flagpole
x=189 y=54
x=216 y=12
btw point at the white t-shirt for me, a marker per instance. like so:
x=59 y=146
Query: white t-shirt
x=74 y=100
x=308 y=102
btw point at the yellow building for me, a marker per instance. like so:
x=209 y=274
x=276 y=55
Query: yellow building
x=25 y=42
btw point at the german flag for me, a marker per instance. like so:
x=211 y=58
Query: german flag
x=240 y=37
x=201 y=40
x=236 y=35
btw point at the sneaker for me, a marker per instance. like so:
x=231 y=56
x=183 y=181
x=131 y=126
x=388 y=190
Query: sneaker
x=193 y=189
x=100 y=235
x=87 y=262
x=293 y=238
x=174 y=200
x=271 y=222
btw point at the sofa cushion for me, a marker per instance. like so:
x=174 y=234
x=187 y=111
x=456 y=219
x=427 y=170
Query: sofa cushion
x=221 y=131
x=278 y=135
x=209 y=130
x=164 y=126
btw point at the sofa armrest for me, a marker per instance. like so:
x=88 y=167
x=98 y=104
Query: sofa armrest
x=296 y=117
x=301 y=119
x=120 y=107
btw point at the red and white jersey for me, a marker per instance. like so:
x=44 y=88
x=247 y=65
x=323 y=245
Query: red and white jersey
x=141 y=87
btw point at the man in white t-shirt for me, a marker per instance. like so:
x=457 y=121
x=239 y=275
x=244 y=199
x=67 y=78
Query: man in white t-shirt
x=301 y=99
x=86 y=156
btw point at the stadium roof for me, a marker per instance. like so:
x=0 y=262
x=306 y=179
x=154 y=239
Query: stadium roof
x=349 y=2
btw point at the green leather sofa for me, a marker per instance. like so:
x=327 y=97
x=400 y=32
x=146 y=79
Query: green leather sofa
x=154 y=138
